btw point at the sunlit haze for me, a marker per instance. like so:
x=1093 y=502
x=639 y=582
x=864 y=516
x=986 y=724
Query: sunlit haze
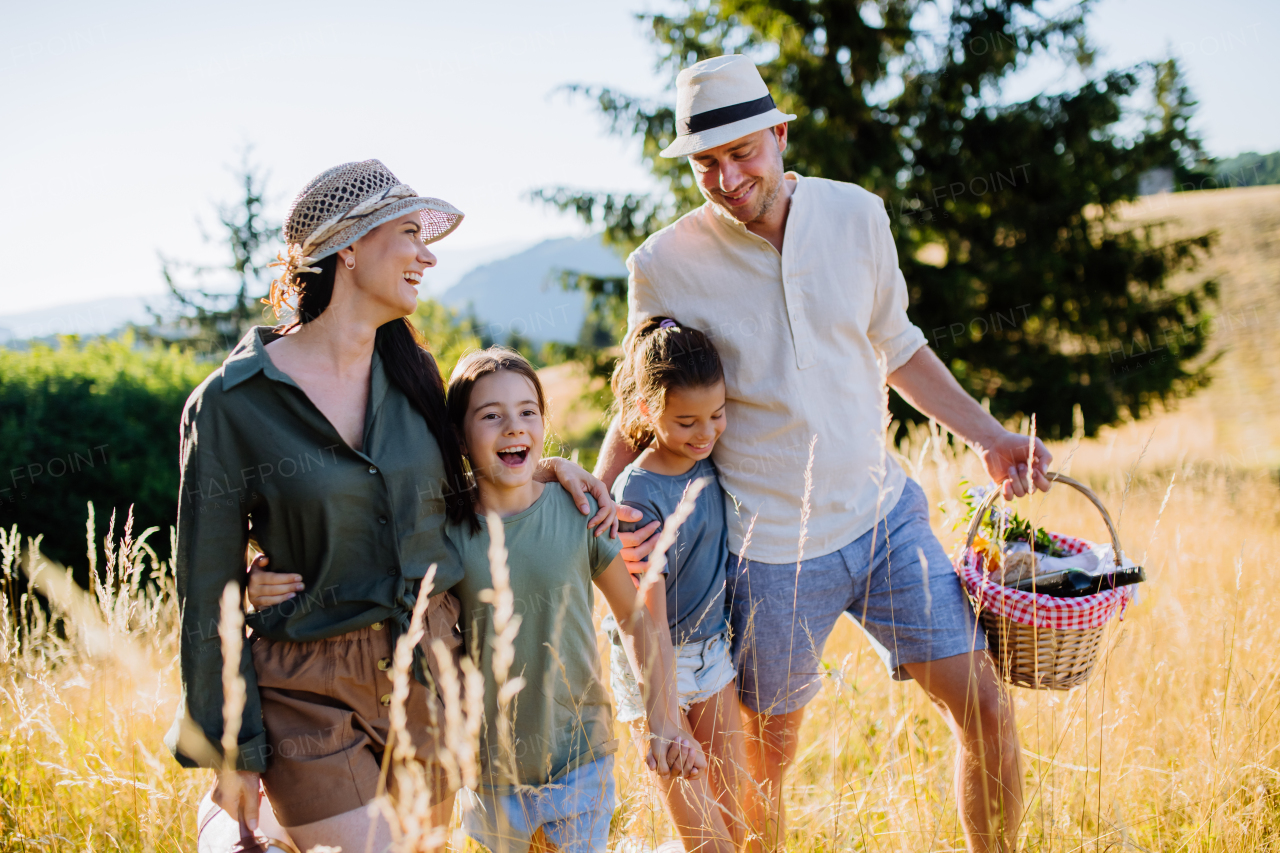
x=122 y=121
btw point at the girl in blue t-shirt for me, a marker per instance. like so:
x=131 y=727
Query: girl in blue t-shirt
x=670 y=398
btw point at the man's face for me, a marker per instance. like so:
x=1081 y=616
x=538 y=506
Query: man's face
x=743 y=177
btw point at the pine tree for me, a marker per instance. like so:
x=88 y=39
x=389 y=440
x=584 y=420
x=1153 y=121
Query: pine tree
x=212 y=317
x=1022 y=273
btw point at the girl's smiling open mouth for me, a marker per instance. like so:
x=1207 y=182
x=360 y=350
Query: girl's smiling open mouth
x=514 y=456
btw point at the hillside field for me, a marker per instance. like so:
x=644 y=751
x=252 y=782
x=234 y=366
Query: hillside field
x=1174 y=745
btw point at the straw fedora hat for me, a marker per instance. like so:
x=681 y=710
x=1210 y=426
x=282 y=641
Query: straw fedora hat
x=719 y=100
x=341 y=205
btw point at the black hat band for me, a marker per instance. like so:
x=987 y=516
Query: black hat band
x=724 y=115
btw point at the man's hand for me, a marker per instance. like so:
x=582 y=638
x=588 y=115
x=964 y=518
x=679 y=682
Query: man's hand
x=1014 y=463
x=239 y=794
x=638 y=544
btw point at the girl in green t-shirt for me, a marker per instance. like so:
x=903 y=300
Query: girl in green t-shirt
x=546 y=752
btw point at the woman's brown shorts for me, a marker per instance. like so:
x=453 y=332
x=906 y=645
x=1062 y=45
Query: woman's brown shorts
x=325 y=706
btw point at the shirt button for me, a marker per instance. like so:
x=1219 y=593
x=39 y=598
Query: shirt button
x=377 y=626
x=382 y=519
x=385 y=699
x=373 y=469
x=384 y=664
x=391 y=572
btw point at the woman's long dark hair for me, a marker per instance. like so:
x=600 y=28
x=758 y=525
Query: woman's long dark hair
x=410 y=368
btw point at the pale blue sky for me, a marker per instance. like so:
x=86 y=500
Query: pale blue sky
x=119 y=123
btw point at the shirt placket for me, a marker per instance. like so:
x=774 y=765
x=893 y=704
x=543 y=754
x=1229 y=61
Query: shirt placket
x=381 y=505
x=792 y=301
x=386 y=516
x=801 y=334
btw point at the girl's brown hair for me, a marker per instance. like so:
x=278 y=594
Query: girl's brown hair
x=658 y=355
x=410 y=368
x=473 y=367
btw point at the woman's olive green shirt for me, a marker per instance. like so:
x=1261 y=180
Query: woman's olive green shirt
x=261 y=463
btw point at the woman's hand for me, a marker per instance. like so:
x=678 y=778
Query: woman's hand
x=239 y=794
x=578 y=482
x=267 y=589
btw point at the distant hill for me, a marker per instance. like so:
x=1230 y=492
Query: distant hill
x=109 y=315
x=1243 y=400
x=456 y=263
x=521 y=294
x=1249 y=170
x=94 y=317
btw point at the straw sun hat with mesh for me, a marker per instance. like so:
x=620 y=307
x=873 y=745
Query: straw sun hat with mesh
x=339 y=207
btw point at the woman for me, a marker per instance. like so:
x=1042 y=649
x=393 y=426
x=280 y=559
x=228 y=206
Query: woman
x=325 y=443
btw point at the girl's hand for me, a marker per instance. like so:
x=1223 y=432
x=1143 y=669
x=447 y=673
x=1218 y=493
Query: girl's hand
x=578 y=483
x=267 y=589
x=239 y=794
x=680 y=756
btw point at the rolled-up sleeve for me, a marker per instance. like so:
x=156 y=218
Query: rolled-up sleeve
x=212 y=538
x=892 y=334
x=642 y=298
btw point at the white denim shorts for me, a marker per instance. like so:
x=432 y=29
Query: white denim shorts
x=703 y=668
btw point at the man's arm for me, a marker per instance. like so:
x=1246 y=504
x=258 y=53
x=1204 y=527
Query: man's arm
x=615 y=454
x=926 y=384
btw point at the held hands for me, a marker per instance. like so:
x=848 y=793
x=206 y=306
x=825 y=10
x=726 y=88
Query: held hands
x=1014 y=463
x=239 y=794
x=675 y=755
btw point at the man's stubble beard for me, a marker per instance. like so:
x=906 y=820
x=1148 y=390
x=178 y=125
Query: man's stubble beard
x=770 y=186
x=770 y=192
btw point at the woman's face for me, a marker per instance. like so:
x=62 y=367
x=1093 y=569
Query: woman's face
x=389 y=263
x=504 y=430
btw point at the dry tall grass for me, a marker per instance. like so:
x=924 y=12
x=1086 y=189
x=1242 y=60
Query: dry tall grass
x=1173 y=745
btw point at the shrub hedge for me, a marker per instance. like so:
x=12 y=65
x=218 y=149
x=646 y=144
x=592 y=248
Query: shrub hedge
x=95 y=421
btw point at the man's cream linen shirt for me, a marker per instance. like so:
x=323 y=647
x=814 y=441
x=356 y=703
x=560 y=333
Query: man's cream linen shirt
x=799 y=334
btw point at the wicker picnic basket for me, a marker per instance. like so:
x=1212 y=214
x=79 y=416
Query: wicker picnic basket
x=1039 y=641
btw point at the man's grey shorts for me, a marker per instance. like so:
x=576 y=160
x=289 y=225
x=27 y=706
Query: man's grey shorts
x=781 y=619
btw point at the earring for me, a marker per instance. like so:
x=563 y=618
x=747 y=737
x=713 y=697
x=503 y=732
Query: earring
x=350 y=262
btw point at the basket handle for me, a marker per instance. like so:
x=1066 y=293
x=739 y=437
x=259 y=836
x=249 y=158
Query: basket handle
x=1054 y=478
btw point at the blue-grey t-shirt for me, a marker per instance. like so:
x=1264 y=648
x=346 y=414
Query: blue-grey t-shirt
x=696 y=562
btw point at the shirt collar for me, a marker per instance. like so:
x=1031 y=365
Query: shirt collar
x=250 y=358
x=728 y=219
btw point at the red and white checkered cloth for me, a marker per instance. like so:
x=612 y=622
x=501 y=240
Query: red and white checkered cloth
x=1043 y=611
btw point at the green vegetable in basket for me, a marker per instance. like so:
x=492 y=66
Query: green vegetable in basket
x=1005 y=526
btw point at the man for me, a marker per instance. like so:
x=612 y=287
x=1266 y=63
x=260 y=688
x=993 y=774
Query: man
x=797 y=281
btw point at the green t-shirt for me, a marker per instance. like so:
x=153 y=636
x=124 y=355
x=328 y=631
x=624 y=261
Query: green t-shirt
x=562 y=716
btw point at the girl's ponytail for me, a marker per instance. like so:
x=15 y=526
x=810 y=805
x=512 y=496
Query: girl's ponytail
x=658 y=355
